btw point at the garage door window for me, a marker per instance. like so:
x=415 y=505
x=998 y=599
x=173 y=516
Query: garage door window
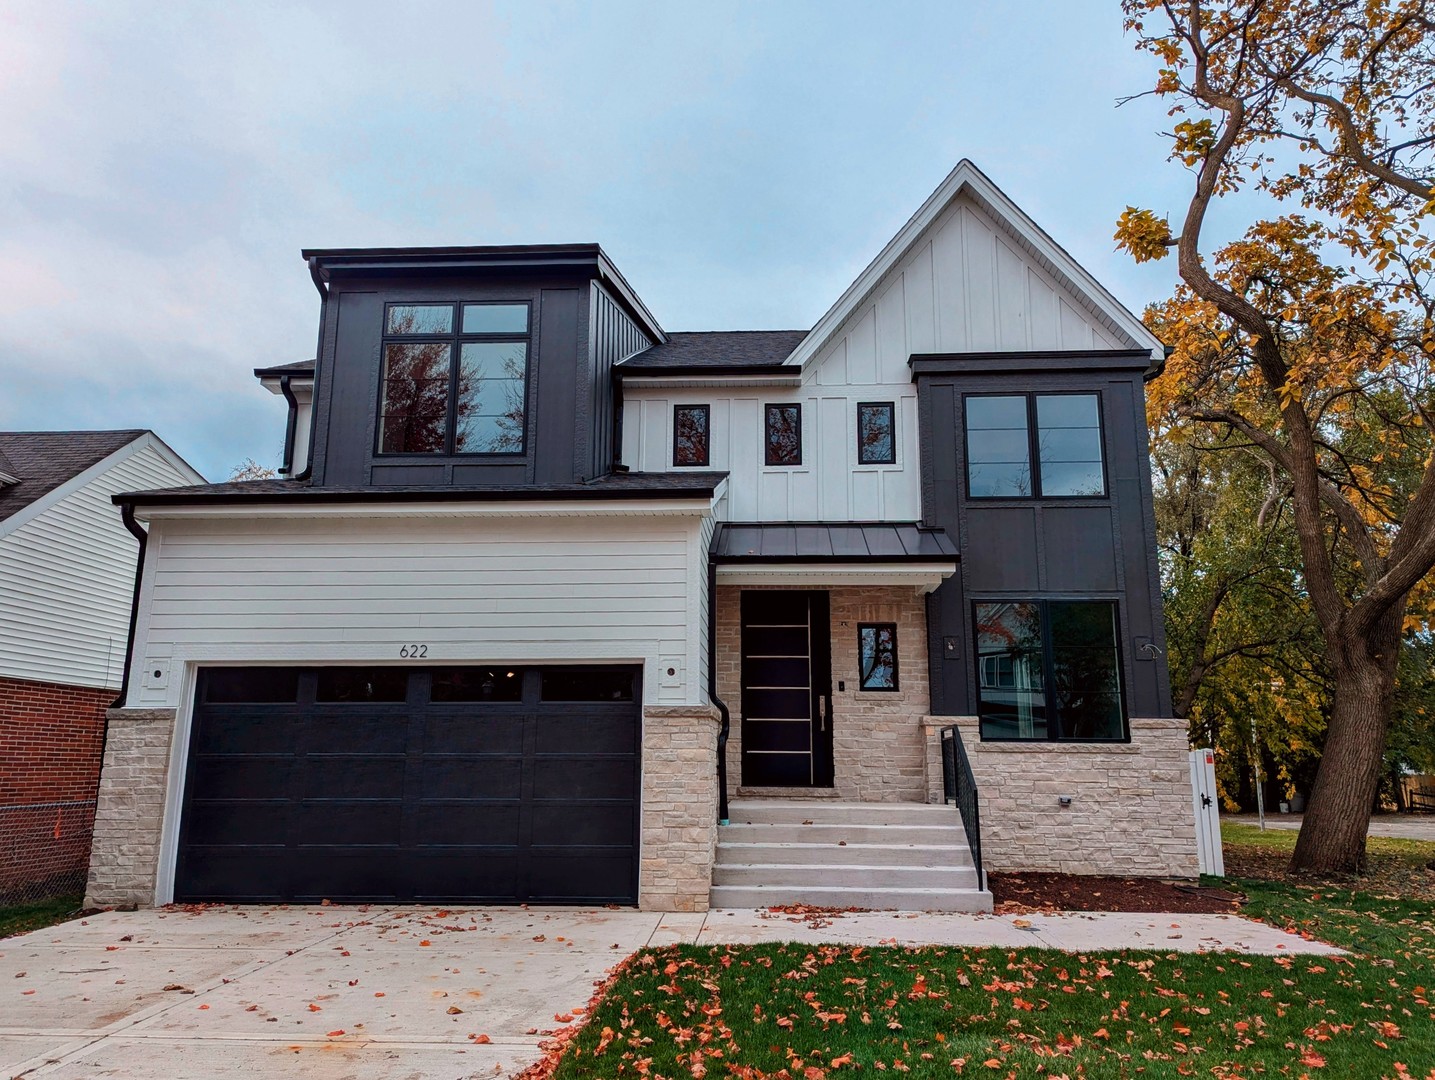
x=587 y=684
x=477 y=684
x=365 y=685
x=251 y=685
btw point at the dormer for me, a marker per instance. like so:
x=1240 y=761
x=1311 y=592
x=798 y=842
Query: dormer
x=466 y=367
x=295 y=384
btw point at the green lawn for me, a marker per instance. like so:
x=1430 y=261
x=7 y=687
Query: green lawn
x=18 y=918
x=801 y=1013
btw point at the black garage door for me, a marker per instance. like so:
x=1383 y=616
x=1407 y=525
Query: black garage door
x=448 y=784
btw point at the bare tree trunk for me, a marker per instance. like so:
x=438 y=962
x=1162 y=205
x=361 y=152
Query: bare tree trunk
x=1332 y=836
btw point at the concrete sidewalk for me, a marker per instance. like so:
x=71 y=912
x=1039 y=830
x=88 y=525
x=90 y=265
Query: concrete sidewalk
x=378 y=992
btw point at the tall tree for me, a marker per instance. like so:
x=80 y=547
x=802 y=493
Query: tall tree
x=1327 y=106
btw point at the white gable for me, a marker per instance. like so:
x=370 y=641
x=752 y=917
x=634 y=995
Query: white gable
x=968 y=273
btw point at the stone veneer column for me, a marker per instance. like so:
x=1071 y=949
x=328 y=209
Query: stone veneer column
x=1130 y=812
x=129 y=815
x=679 y=823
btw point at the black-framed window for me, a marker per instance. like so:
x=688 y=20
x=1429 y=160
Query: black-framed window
x=692 y=434
x=1049 y=670
x=455 y=378
x=1034 y=445
x=877 y=656
x=782 y=434
x=877 y=433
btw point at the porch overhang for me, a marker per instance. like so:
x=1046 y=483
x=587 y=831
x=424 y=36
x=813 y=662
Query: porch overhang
x=810 y=554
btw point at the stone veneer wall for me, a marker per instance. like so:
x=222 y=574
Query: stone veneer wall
x=679 y=826
x=1130 y=815
x=679 y=812
x=129 y=814
x=878 y=753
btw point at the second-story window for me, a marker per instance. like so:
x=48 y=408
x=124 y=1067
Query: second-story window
x=692 y=432
x=876 y=433
x=1060 y=434
x=783 y=435
x=455 y=379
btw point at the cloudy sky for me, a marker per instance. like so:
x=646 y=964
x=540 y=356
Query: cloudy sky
x=161 y=165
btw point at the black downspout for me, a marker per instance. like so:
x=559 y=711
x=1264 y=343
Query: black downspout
x=287 y=466
x=726 y=729
x=127 y=514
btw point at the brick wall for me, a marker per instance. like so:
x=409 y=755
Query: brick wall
x=51 y=739
x=878 y=752
x=124 y=859
x=1130 y=811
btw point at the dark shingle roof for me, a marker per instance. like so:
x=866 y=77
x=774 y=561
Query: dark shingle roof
x=716 y=349
x=301 y=367
x=614 y=486
x=43 y=460
x=853 y=541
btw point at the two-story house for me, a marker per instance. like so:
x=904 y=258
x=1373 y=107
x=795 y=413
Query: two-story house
x=554 y=605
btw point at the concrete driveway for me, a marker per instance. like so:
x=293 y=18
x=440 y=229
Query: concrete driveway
x=364 y=993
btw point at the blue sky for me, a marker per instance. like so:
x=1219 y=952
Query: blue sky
x=162 y=165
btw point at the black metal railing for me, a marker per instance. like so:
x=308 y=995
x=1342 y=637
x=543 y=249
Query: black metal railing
x=959 y=786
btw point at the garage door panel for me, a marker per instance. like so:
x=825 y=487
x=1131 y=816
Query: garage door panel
x=247 y=731
x=237 y=822
x=577 y=824
x=584 y=778
x=560 y=733
x=390 y=797
x=467 y=824
x=340 y=822
x=472 y=732
x=605 y=878
x=357 y=776
x=471 y=777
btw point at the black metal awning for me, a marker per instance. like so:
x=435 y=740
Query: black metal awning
x=844 y=542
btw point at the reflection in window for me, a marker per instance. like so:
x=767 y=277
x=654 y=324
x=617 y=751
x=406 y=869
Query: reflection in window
x=876 y=434
x=1049 y=670
x=998 y=449
x=877 y=655
x=464 y=394
x=784 y=435
x=492 y=387
x=362 y=684
x=587 y=684
x=691 y=427
x=1069 y=444
x=477 y=684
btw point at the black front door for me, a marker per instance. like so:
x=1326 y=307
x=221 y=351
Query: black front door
x=786 y=690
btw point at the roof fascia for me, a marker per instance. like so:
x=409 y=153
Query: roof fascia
x=297 y=384
x=1011 y=218
x=925 y=577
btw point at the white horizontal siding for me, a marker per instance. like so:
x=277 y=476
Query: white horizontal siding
x=963 y=286
x=327 y=590
x=67 y=577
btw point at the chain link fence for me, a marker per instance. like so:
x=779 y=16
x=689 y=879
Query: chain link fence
x=44 y=850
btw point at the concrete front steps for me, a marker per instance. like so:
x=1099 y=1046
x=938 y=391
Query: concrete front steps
x=826 y=853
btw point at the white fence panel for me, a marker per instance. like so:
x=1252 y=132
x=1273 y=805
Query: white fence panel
x=1208 y=812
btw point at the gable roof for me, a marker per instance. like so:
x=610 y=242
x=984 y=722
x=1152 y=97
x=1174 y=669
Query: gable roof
x=967 y=179
x=711 y=350
x=43 y=460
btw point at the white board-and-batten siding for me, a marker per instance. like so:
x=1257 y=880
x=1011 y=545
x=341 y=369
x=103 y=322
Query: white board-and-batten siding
x=298 y=591
x=964 y=285
x=67 y=576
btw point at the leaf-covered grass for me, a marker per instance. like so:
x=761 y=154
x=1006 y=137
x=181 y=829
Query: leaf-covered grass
x=1394 y=866
x=20 y=918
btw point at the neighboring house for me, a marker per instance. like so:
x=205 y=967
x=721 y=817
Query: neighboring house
x=543 y=572
x=67 y=575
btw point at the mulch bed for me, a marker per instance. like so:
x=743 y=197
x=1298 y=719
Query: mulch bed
x=1017 y=894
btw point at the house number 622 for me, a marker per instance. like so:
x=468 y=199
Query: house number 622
x=413 y=652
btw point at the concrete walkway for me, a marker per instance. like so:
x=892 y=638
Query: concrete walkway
x=317 y=992
x=1403 y=826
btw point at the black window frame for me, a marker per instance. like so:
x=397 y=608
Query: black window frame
x=767 y=412
x=891 y=408
x=707 y=411
x=455 y=339
x=896 y=686
x=1053 y=719
x=1033 y=441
